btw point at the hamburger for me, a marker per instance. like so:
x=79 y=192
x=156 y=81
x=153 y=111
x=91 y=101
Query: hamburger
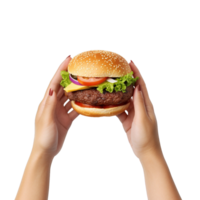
x=98 y=83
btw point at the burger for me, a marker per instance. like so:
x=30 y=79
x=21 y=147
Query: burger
x=98 y=83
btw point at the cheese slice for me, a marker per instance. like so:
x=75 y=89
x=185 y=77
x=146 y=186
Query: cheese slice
x=73 y=87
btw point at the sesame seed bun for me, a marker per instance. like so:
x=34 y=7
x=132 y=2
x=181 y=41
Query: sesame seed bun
x=99 y=63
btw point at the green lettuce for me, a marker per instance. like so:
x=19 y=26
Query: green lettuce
x=65 y=79
x=120 y=85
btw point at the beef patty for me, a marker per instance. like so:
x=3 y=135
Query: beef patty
x=94 y=97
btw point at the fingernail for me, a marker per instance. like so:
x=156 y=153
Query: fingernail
x=131 y=60
x=68 y=56
x=50 y=92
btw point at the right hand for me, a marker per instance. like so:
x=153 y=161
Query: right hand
x=140 y=124
x=53 y=119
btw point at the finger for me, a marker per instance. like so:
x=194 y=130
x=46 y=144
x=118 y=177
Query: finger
x=126 y=119
x=54 y=84
x=143 y=88
x=73 y=115
x=55 y=80
x=121 y=118
x=63 y=99
x=130 y=106
x=60 y=93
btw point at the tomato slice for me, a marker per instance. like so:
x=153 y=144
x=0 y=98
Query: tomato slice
x=90 y=106
x=86 y=105
x=90 y=81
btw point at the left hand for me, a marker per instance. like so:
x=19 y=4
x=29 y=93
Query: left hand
x=52 y=119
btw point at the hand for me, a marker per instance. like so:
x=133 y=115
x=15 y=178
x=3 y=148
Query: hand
x=140 y=123
x=52 y=119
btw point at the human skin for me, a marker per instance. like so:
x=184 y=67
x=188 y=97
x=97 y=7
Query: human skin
x=52 y=123
x=140 y=126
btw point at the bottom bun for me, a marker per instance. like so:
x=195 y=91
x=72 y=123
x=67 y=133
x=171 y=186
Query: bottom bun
x=99 y=112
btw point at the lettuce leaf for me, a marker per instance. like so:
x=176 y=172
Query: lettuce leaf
x=120 y=85
x=65 y=79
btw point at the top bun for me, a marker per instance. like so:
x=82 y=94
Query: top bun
x=99 y=63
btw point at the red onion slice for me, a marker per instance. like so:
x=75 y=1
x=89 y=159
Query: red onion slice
x=74 y=81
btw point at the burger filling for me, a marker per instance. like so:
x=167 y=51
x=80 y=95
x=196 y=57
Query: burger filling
x=98 y=92
x=94 y=97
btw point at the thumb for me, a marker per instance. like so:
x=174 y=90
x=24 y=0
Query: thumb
x=51 y=102
x=138 y=101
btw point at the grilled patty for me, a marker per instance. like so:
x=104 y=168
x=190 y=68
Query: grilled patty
x=94 y=97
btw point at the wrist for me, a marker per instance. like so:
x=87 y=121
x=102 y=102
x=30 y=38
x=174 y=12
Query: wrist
x=42 y=151
x=41 y=157
x=35 y=181
x=159 y=183
x=151 y=157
